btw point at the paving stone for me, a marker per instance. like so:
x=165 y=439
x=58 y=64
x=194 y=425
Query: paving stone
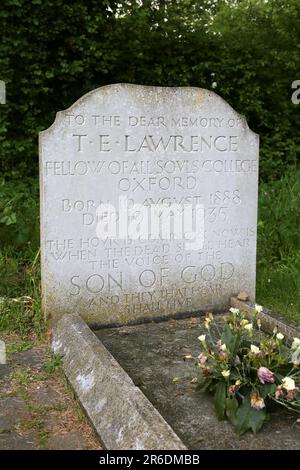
x=69 y=441
x=5 y=370
x=14 y=441
x=45 y=394
x=33 y=358
x=12 y=410
x=16 y=418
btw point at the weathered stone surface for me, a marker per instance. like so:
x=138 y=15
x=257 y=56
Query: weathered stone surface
x=46 y=394
x=13 y=410
x=119 y=411
x=5 y=369
x=68 y=441
x=14 y=441
x=35 y=406
x=155 y=147
x=30 y=358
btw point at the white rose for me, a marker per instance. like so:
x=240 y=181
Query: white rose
x=296 y=343
x=258 y=308
x=225 y=373
x=254 y=349
x=296 y=357
x=288 y=383
x=280 y=336
x=202 y=338
x=235 y=311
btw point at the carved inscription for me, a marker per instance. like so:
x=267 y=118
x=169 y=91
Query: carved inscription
x=166 y=152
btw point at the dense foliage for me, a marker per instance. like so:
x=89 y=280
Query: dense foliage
x=53 y=52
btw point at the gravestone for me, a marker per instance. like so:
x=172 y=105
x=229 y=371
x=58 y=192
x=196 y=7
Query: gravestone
x=148 y=205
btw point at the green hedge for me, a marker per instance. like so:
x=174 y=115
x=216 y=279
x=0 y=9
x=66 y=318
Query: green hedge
x=54 y=51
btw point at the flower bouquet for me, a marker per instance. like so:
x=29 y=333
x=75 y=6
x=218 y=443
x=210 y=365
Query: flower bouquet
x=248 y=373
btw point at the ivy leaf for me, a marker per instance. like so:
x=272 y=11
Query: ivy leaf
x=249 y=418
x=220 y=399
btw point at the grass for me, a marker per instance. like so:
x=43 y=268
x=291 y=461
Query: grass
x=20 y=296
x=22 y=377
x=43 y=440
x=278 y=247
x=278 y=288
x=18 y=347
x=33 y=423
x=53 y=365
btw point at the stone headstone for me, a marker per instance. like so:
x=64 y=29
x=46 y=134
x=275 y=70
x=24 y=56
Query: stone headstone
x=148 y=205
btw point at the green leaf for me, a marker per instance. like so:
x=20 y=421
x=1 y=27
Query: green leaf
x=267 y=389
x=242 y=417
x=231 y=408
x=249 y=418
x=257 y=418
x=231 y=339
x=220 y=399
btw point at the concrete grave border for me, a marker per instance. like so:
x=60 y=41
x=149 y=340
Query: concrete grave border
x=119 y=411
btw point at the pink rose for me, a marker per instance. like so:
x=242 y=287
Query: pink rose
x=265 y=375
x=202 y=358
x=237 y=360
